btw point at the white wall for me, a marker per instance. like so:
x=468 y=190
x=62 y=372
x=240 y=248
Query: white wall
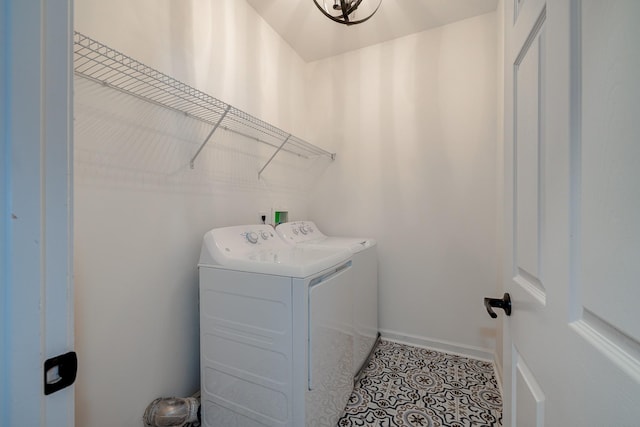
x=414 y=125
x=413 y=122
x=140 y=211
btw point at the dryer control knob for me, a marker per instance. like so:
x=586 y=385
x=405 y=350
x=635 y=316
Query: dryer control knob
x=264 y=235
x=252 y=237
x=303 y=229
x=294 y=230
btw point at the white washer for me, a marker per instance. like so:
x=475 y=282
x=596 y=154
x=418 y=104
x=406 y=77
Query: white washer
x=276 y=332
x=365 y=275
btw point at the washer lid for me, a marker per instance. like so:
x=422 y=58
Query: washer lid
x=257 y=249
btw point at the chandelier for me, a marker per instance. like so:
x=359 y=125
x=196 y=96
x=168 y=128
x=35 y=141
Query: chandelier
x=344 y=11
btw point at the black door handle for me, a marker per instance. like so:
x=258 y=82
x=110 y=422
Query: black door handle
x=504 y=303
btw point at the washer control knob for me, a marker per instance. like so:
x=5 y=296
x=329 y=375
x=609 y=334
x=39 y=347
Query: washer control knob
x=295 y=231
x=252 y=237
x=264 y=235
x=303 y=229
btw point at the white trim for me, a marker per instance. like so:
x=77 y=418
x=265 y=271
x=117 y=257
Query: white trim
x=619 y=348
x=444 y=346
x=4 y=171
x=497 y=370
x=36 y=209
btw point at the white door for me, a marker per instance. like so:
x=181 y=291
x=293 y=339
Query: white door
x=572 y=180
x=35 y=230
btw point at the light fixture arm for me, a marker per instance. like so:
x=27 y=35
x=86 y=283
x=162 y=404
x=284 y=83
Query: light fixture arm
x=347 y=9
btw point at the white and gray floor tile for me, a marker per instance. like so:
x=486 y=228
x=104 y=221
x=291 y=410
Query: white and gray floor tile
x=416 y=387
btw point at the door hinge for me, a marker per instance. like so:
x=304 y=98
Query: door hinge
x=60 y=372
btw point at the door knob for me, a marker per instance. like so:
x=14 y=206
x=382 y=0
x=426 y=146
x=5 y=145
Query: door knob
x=504 y=303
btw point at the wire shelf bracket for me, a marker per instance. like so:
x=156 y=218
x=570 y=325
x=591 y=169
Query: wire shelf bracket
x=273 y=155
x=102 y=64
x=195 y=156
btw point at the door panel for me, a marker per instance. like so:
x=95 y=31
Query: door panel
x=607 y=252
x=529 y=395
x=528 y=149
x=610 y=199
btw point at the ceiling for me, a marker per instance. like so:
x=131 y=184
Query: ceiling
x=315 y=36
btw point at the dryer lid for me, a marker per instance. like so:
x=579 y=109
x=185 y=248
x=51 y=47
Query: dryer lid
x=354 y=244
x=299 y=232
x=306 y=233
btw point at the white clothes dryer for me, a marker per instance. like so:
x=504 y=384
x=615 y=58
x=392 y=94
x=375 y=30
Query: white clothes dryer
x=365 y=276
x=276 y=333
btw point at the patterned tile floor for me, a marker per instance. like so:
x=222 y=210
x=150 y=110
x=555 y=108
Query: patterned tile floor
x=416 y=387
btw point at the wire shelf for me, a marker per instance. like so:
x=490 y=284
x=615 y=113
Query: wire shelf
x=100 y=63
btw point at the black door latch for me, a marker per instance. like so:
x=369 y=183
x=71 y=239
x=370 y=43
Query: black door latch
x=60 y=372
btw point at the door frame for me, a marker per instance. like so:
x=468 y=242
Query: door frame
x=36 y=240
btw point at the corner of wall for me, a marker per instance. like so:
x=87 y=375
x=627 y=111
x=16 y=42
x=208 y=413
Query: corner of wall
x=439 y=345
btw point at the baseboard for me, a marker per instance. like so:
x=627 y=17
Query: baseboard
x=444 y=346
